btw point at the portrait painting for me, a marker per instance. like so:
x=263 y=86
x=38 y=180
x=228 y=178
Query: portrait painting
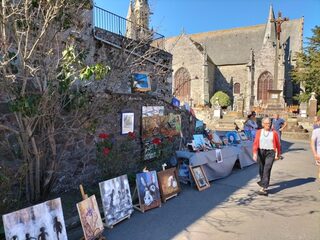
x=116 y=199
x=43 y=221
x=168 y=183
x=90 y=218
x=127 y=123
x=199 y=177
x=148 y=190
x=141 y=82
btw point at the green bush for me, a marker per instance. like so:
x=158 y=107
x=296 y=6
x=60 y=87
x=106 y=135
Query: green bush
x=223 y=99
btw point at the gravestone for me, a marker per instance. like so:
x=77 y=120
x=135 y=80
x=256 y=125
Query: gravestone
x=303 y=109
x=217 y=112
x=312 y=106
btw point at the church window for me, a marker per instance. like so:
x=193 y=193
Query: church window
x=236 y=88
x=182 y=84
x=264 y=84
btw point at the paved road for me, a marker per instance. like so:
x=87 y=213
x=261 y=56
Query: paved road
x=231 y=209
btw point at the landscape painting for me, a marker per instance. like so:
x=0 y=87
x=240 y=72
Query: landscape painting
x=42 y=221
x=148 y=190
x=168 y=183
x=116 y=199
x=90 y=218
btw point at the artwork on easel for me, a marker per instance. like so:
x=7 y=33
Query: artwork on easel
x=199 y=177
x=116 y=200
x=168 y=183
x=148 y=191
x=90 y=218
x=42 y=221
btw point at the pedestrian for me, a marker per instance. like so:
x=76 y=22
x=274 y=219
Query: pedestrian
x=266 y=148
x=315 y=123
x=250 y=125
x=315 y=144
x=278 y=124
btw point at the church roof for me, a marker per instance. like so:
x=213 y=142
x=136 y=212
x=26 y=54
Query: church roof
x=232 y=46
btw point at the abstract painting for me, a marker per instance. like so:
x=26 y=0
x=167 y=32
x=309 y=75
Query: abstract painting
x=90 y=218
x=149 y=111
x=168 y=183
x=116 y=199
x=148 y=190
x=43 y=221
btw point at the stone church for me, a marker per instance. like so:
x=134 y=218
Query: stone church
x=251 y=64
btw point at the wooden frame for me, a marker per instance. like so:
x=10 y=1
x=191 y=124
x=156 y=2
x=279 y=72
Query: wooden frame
x=127 y=122
x=199 y=177
x=168 y=183
x=141 y=82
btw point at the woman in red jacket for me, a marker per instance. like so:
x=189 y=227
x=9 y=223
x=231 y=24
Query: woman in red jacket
x=266 y=148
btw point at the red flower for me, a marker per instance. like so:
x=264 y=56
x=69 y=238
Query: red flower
x=156 y=141
x=132 y=135
x=106 y=151
x=104 y=135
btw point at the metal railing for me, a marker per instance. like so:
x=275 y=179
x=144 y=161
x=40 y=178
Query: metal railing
x=116 y=24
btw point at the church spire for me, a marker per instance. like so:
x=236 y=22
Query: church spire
x=130 y=27
x=270 y=31
x=142 y=13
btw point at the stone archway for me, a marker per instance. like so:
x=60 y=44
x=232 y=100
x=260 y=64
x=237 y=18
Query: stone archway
x=182 y=84
x=265 y=82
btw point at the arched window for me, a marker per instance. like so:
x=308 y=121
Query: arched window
x=182 y=83
x=264 y=84
x=236 y=88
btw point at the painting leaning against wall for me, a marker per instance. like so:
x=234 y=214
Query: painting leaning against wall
x=42 y=221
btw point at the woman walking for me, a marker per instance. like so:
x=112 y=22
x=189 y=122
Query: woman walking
x=266 y=148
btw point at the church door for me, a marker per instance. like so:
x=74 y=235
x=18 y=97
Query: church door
x=264 y=84
x=182 y=84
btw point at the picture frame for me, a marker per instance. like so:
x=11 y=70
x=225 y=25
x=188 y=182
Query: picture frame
x=141 y=82
x=127 y=122
x=199 y=177
x=168 y=183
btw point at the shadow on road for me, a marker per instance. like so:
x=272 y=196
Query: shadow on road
x=290 y=184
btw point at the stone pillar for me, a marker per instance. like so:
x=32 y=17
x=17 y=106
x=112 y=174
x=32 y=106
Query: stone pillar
x=303 y=109
x=312 y=108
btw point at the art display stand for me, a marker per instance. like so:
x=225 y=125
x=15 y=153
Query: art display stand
x=175 y=195
x=84 y=197
x=120 y=220
x=137 y=205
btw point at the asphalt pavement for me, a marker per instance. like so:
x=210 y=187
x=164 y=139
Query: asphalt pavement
x=231 y=208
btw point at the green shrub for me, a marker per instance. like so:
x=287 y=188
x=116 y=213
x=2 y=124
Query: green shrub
x=223 y=99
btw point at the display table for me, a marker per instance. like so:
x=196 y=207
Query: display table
x=213 y=168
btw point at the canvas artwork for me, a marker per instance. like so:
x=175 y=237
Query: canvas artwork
x=243 y=136
x=116 y=199
x=175 y=102
x=90 y=218
x=149 y=111
x=148 y=190
x=168 y=183
x=43 y=221
x=232 y=137
x=199 y=177
x=198 y=140
x=141 y=82
x=199 y=126
x=216 y=139
x=151 y=150
x=127 y=123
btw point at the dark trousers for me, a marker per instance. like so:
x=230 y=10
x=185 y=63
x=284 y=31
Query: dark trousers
x=265 y=161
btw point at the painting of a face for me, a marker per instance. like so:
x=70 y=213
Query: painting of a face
x=148 y=190
x=43 y=221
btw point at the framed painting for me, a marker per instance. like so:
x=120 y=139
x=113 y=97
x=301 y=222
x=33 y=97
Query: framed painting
x=90 y=218
x=127 y=122
x=199 y=177
x=148 y=190
x=41 y=221
x=168 y=183
x=150 y=111
x=232 y=137
x=141 y=82
x=116 y=199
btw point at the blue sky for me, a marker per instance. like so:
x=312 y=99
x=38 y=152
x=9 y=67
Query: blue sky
x=170 y=17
